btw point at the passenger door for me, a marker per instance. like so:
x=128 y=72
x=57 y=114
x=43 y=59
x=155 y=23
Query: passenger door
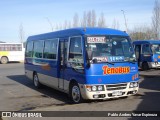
x=63 y=44
x=138 y=53
x=146 y=52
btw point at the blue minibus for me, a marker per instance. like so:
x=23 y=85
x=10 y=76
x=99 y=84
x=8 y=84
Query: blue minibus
x=85 y=63
x=147 y=53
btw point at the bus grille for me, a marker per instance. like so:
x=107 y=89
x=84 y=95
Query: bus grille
x=116 y=86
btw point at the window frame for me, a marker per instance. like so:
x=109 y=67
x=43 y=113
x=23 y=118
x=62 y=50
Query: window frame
x=57 y=52
x=8 y=47
x=34 y=47
x=150 y=52
x=27 y=49
x=68 y=51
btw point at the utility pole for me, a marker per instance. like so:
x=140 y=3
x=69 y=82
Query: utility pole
x=125 y=20
x=21 y=33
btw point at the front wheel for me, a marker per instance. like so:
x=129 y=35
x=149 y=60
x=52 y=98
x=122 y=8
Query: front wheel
x=75 y=94
x=145 y=66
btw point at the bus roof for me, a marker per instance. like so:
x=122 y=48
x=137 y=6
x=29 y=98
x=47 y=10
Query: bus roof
x=146 y=41
x=77 y=32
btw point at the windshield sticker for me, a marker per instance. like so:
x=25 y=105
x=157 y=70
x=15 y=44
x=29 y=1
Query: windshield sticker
x=116 y=58
x=115 y=70
x=96 y=40
x=101 y=59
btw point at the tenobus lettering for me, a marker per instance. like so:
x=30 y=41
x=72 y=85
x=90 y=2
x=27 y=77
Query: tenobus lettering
x=115 y=70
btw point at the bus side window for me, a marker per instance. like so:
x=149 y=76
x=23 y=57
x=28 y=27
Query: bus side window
x=50 y=49
x=29 y=49
x=146 y=49
x=38 y=49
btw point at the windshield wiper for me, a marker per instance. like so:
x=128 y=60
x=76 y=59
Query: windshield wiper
x=109 y=63
x=130 y=61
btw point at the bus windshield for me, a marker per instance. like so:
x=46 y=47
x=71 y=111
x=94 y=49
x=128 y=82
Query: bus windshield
x=110 y=48
x=155 y=48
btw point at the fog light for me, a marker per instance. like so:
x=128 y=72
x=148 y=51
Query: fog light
x=134 y=92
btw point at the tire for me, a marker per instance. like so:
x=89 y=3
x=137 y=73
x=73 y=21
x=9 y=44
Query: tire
x=4 y=60
x=145 y=66
x=75 y=94
x=36 y=82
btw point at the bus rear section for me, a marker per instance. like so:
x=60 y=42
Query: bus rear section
x=11 y=52
x=147 y=53
x=90 y=63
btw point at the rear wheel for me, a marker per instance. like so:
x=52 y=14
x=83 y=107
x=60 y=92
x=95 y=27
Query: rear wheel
x=36 y=82
x=145 y=66
x=75 y=94
x=4 y=60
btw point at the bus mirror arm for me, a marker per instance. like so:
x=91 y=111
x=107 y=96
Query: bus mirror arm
x=89 y=54
x=88 y=64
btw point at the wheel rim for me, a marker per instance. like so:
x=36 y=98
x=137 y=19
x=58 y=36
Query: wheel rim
x=75 y=94
x=4 y=60
x=35 y=80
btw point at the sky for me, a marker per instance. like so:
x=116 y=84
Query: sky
x=36 y=15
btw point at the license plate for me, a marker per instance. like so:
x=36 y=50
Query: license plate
x=117 y=93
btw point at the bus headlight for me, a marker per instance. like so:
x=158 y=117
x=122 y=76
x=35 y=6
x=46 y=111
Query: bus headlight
x=94 y=88
x=133 y=84
x=100 y=88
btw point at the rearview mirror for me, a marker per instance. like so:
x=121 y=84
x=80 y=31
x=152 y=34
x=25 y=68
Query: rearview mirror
x=89 y=54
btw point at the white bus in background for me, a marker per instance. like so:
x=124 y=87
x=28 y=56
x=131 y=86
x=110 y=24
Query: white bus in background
x=10 y=52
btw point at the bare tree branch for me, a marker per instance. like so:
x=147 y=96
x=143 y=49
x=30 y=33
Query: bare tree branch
x=156 y=19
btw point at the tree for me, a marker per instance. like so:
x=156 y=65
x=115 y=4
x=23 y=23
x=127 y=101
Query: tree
x=69 y=24
x=89 y=19
x=65 y=26
x=76 y=20
x=84 y=20
x=141 y=33
x=115 y=24
x=93 y=19
x=101 y=21
x=156 y=19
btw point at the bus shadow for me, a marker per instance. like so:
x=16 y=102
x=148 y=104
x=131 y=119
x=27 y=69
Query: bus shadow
x=46 y=92
x=150 y=88
x=151 y=83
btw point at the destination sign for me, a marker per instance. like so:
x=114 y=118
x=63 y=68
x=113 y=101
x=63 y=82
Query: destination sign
x=96 y=39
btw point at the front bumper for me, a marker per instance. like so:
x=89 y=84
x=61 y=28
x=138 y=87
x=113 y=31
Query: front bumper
x=112 y=91
x=154 y=64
